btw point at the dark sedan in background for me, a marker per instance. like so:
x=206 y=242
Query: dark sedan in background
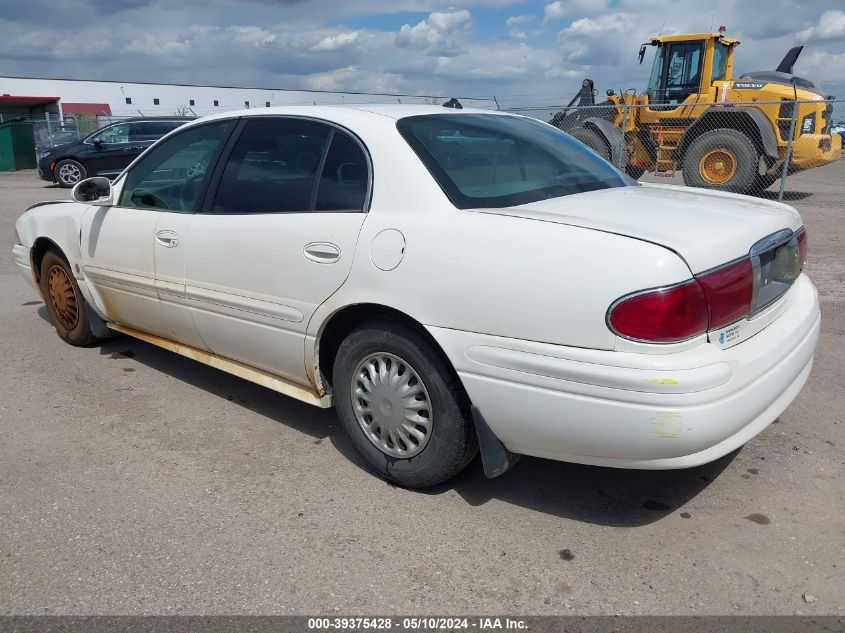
x=106 y=152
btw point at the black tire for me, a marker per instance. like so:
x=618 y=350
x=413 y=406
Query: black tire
x=591 y=139
x=738 y=147
x=67 y=307
x=68 y=172
x=452 y=442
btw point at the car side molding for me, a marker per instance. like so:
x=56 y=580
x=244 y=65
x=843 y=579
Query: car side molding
x=258 y=376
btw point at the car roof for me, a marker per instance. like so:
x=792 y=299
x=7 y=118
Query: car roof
x=332 y=112
x=135 y=119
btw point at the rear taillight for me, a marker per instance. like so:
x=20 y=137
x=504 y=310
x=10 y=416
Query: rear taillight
x=716 y=298
x=728 y=291
x=678 y=313
x=664 y=315
x=801 y=236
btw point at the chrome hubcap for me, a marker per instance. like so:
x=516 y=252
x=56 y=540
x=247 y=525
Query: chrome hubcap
x=391 y=405
x=70 y=173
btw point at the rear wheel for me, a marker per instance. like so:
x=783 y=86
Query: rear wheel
x=591 y=139
x=68 y=172
x=723 y=159
x=65 y=304
x=402 y=405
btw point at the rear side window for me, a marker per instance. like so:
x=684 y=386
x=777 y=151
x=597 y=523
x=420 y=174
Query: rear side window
x=489 y=160
x=292 y=166
x=343 y=181
x=152 y=130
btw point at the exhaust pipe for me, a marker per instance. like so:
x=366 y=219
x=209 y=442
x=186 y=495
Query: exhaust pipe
x=789 y=60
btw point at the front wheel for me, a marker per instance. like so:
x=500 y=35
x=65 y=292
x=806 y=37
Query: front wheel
x=402 y=405
x=723 y=159
x=68 y=172
x=65 y=304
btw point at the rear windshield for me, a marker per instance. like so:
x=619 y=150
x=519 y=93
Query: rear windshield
x=491 y=160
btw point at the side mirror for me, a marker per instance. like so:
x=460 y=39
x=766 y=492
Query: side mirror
x=95 y=190
x=98 y=142
x=640 y=56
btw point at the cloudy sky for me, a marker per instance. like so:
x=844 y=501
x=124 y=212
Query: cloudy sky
x=524 y=52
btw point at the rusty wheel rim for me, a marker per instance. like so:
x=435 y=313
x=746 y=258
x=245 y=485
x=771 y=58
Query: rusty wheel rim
x=717 y=166
x=62 y=297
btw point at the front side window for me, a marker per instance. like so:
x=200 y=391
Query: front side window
x=489 y=160
x=115 y=134
x=676 y=73
x=292 y=166
x=171 y=175
x=683 y=71
x=655 y=89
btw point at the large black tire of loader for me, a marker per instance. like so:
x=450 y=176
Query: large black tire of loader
x=720 y=147
x=591 y=139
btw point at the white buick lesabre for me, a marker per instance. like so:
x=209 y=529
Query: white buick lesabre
x=448 y=280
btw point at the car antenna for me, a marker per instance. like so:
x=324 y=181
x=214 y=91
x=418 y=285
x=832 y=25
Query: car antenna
x=453 y=103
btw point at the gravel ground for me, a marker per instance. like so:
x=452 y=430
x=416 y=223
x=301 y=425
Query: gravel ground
x=136 y=481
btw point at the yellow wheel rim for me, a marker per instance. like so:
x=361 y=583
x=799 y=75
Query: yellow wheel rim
x=717 y=166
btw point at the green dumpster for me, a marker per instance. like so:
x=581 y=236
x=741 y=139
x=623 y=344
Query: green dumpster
x=17 y=146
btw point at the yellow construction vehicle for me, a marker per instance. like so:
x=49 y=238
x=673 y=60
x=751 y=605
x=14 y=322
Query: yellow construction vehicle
x=721 y=133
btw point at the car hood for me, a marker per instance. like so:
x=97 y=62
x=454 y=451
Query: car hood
x=54 y=149
x=706 y=228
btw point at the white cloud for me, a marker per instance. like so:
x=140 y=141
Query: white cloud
x=515 y=22
x=437 y=30
x=336 y=42
x=563 y=8
x=611 y=24
x=831 y=26
x=353 y=78
x=519 y=19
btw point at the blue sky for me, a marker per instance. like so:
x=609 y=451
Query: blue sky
x=523 y=52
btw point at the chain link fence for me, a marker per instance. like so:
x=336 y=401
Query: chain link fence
x=781 y=150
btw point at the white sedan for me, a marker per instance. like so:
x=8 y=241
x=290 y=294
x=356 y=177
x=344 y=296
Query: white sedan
x=448 y=280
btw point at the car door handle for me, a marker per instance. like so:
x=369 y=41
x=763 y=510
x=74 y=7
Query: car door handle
x=168 y=239
x=322 y=252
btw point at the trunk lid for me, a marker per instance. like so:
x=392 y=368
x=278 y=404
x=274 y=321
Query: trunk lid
x=707 y=229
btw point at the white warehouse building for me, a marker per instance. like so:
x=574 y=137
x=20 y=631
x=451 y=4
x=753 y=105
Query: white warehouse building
x=38 y=98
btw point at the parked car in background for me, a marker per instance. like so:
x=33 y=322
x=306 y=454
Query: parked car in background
x=106 y=152
x=448 y=280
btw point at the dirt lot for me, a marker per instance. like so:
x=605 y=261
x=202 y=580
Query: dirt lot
x=136 y=481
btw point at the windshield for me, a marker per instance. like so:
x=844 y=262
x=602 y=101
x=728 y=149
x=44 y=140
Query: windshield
x=490 y=160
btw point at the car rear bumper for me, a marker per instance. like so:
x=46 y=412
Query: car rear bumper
x=634 y=410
